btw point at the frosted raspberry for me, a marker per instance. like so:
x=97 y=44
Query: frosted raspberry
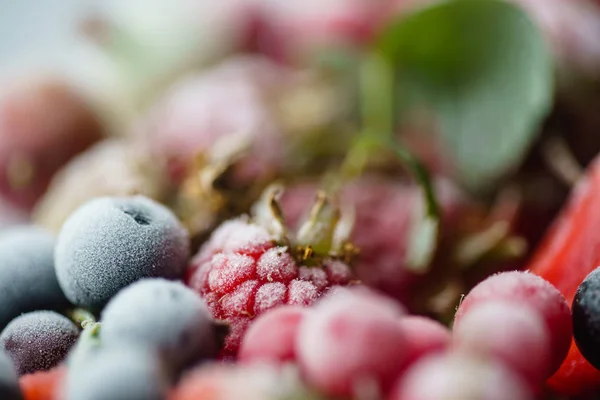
x=269 y=295
x=317 y=277
x=338 y=272
x=228 y=271
x=277 y=265
x=302 y=293
x=241 y=301
x=241 y=272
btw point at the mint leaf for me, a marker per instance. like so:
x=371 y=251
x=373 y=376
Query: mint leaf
x=482 y=68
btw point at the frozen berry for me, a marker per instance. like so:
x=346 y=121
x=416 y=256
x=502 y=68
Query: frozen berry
x=586 y=318
x=9 y=383
x=514 y=335
x=194 y=117
x=43 y=385
x=520 y=288
x=457 y=376
x=163 y=315
x=272 y=336
x=348 y=341
x=38 y=341
x=423 y=336
x=243 y=271
x=111 y=242
x=27 y=278
x=43 y=123
x=121 y=372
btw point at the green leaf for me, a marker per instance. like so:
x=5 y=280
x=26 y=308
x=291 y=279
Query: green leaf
x=482 y=68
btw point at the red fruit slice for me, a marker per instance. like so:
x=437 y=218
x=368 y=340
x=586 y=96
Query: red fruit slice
x=43 y=385
x=568 y=253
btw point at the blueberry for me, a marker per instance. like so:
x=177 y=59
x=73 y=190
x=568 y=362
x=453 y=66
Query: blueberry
x=38 y=341
x=111 y=242
x=163 y=315
x=27 y=278
x=9 y=383
x=120 y=372
x=586 y=318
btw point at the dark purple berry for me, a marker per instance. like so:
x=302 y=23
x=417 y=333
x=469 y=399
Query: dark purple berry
x=38 y=341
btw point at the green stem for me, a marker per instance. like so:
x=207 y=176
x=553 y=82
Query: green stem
x=81 y=317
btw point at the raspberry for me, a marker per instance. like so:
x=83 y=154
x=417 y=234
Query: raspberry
x=43 y=385
x=272 y=336
x=243 y=271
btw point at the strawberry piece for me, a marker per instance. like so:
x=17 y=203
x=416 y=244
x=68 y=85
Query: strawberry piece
x=567 y=254
x=42 y=385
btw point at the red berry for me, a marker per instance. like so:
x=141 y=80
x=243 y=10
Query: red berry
x=514 y=335
x=423 y=336
x=568 y=253
x=522 y=288
x=457 y=376
x=43 y=385
x=350 y=340
x=241 y=273
x=272 y=335
x=43 y=124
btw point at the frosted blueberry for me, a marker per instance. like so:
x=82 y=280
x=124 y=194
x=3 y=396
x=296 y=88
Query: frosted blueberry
x=27 y=278
x=111 y=242
x=162 y=315
x=38 y=341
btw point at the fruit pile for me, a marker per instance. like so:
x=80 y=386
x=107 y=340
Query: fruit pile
x=340 y=200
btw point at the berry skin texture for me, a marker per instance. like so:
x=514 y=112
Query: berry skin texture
x=111 y=242
x=567 y=254
x=423 y=336
x=514 y=335
x=9 y=384
x=162 y=315
x=120 y=372
x=586 y=318
x=38 y=341
x=241 y=273
x=272 y=336
x=27 y=278
x=43 y=124
x=521 y=288
x=43 y=385
x=350 y=340
x=457 y=376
